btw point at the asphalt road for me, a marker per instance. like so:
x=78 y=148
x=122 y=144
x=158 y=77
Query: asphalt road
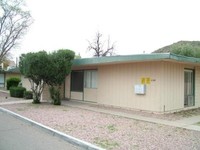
x=17 y=135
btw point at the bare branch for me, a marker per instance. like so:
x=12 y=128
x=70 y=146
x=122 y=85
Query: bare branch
x=14 y=22
x=97 y=46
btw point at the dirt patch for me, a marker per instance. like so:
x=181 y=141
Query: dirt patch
x=5 y=97
x=108 y=131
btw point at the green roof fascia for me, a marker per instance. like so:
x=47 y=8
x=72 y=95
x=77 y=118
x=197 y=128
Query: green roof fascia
x=182 y=58
x=13 y=70
x=133 y=58
x=118 y=59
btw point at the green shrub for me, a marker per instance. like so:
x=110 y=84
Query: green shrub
x=28 y=94
x=12 y=82
x=55 y=96
x=17 y=92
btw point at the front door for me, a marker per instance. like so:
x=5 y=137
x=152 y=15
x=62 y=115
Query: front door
x=189 y=88
x=77 y=85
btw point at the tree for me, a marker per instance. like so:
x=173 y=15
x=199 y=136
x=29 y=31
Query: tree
x=34 y=66
x=97 y=46
x=14 y=22
x=59 y=68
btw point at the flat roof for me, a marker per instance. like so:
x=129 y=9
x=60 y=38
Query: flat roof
x=134 y=58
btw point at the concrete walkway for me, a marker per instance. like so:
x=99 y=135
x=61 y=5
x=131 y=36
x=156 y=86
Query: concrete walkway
x=187 y=123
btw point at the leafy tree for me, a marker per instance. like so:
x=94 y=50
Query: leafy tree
x=14 y=22
x=34 y=66
x=59 y=68
x=97 y=46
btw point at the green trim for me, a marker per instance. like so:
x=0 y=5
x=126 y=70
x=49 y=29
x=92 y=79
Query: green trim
x=13 y=70
x=134 y=58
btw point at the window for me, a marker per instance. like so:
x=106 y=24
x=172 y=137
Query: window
x=77 y=81
x=90 y=79
x=189 y=87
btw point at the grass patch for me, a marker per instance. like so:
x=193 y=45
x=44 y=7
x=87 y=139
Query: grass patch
x=105 y=143
x=112 y=128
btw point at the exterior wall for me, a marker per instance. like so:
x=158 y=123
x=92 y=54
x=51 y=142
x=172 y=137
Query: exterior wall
x=116 y=85
x=172 y=85
x=165 y=93
x=46 y=93
x=67 y=86
x=197 y=86
x=90 y=95
x=26 y=83
x=77 y=95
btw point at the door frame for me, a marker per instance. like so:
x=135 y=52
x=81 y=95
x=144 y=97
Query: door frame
x=193 y=88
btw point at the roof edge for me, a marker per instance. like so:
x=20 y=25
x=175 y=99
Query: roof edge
x=134 y=58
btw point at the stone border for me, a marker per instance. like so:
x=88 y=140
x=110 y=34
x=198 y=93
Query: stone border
x=68 y=138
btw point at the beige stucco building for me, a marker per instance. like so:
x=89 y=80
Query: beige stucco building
x=4 y=75
x=151 y=82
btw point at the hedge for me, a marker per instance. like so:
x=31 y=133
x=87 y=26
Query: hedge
x=17 y=92
x=28 y=94
x=12 y=82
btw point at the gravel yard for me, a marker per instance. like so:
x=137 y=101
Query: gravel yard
x=108 y=131
x=5 y=97
x=168 y=116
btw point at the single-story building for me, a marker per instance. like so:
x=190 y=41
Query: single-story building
x=161 y=82
x=151 y=82
x=4 y=75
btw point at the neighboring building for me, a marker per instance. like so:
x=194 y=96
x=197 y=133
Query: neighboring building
x=7 y=65
x=150 y=82
x=4 y=75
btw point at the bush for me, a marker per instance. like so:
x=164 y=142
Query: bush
x=12 y=82
x=17 y=92
x=55 y=96
x=28 y=94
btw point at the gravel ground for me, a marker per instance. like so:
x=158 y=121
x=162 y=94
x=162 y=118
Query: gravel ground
x=108 y=131
x=168 y=116
x=5 y=97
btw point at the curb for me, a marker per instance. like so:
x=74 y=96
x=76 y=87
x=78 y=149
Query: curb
x=68 y=138
x=4 y=91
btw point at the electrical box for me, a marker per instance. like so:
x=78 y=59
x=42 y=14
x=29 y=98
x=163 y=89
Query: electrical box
x=140 y=89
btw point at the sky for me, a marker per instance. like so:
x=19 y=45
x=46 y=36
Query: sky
x=135 y=26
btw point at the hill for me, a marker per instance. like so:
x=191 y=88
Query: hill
x=186 y=48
